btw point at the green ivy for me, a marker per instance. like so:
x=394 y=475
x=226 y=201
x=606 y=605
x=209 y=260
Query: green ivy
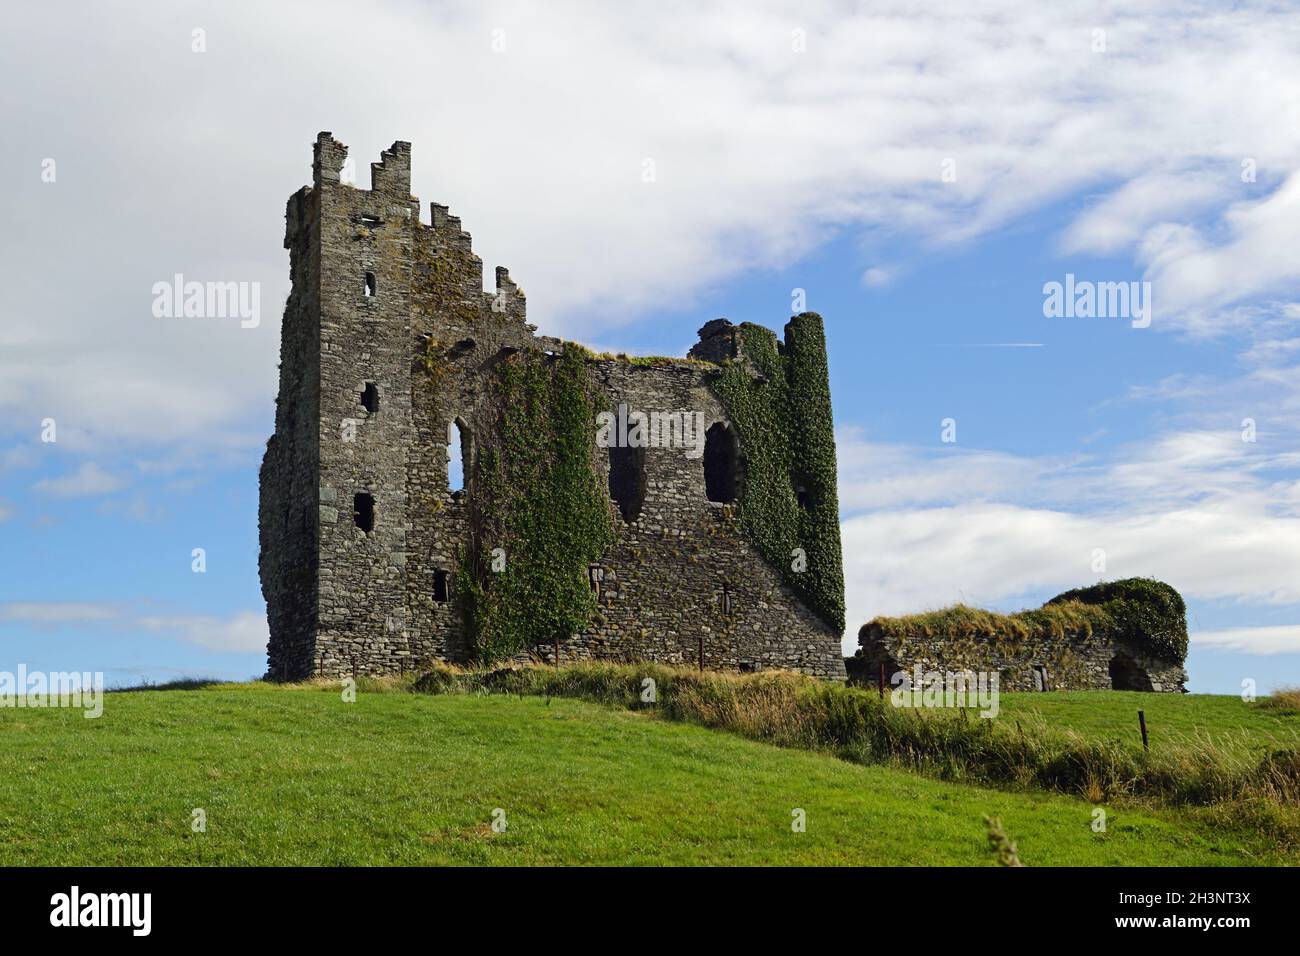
x=782 y=416
x=537 y=497
x=1146 y=612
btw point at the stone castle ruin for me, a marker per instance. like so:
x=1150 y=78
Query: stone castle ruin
x=679 y=510
x=675 y=510
x=1120 y=635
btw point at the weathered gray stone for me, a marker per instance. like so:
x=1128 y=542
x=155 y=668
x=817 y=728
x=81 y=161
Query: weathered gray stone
x=373 y=291
x=1084 y=660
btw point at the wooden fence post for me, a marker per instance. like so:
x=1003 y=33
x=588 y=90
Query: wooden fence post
x=1142 y=722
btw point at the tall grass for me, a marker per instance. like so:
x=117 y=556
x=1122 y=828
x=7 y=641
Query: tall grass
x=1284 y=699
x=791 y=710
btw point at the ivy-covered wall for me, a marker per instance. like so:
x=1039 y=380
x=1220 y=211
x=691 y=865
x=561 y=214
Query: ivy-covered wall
x=1143 y=611
x=778 y=397
x=539 y=515
x=679 y=579
x=683 y=581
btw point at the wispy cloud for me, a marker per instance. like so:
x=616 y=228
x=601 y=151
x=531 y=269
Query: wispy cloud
x=50 y=613
x=1199 y=279
x=1282 y=639
x=1119 y=219
x=244 y=632
x=1201 y=510
x=241 y=632
x=763 y=149
x=88 y=480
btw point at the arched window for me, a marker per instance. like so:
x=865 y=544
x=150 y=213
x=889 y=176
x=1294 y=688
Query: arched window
x=627 y=480
x=457 y=454
x=370 y=397
x=721 y=463
x=363 y=512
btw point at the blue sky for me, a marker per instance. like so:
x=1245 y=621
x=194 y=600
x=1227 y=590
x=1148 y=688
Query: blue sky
x=775 y=170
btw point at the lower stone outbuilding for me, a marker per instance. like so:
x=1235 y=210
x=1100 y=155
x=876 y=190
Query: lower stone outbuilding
x=1122 y=635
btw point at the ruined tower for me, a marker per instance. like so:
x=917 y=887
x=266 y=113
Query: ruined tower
x=723 y=554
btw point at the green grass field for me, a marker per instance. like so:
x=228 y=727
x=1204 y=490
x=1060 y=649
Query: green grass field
x=1173 y=720
x=298 y=776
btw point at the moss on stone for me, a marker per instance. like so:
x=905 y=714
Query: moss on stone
x=1147 y=613
x=536 y=497
x=961 y=622
x=778 y=399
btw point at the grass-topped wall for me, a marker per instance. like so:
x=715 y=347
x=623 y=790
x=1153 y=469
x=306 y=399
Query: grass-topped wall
x=961 y=622
x=782 y=415
x=536 y=497
x=1146 y=613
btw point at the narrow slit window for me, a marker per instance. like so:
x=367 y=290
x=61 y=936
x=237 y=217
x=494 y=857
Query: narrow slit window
x=457 y=453
x=370 y=397
x=627 y=481
x=721 y=463
x=368 y=285
x=440 y=578
x=363 y=512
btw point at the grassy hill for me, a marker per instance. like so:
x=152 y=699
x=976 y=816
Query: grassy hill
x=298 y=776
x=1173 y=720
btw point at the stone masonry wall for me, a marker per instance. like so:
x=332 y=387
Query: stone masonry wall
x=681 y=579
x=388 y=339
x=1080 y=661
x=366 y=240
x=287 y=512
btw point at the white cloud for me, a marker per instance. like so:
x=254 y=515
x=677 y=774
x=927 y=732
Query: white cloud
x=877 y=475
x=761 y=152
x=245 y=632
x=877 y=277
x=1197 y=281
x=1200 y=510
x=52 y=613
x=1281 y=639
x=87 y=481
x=995 y=555
x=241 y=632
x=1121 y=217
